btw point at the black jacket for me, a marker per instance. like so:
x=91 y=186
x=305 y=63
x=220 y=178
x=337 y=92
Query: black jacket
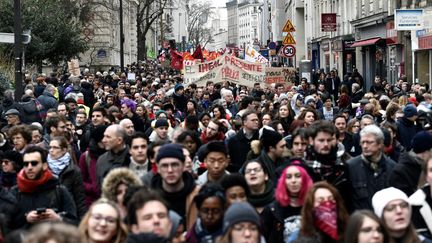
x=49 y=195
x=280 y=222
x=365 y=181
x=406 y=130
x=72 y=179
x=238 y=147
x=406 y=173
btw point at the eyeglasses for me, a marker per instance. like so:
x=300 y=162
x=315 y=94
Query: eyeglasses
x=392 y=207
x=108 y=219
x=32 y=162
x=174 y=166
x=254 y=170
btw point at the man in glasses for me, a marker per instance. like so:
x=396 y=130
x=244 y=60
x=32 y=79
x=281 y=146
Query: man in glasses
x=175 y=185
x=370 y=171
x=39 y=195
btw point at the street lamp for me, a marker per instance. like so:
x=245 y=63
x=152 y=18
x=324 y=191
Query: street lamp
x=121 y=37
x=17 y=49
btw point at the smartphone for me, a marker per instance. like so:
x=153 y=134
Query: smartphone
x=40 y=210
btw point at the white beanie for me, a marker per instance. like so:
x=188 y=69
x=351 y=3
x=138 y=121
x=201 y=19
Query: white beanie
x=383 y=197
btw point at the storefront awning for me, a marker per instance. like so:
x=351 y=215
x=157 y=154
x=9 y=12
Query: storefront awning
x=367 y=42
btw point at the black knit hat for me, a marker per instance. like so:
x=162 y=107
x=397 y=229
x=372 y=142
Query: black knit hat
x=171 y=150
x=270 y=138
x=161 y=123
x=15 y=157
x=422 y=142
x=240 y=212
x=98 y=133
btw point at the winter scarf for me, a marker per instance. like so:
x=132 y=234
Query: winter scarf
x=326 y=219
x=263 y=199
x=28 y=186
x=58 y=165
x=202 y=235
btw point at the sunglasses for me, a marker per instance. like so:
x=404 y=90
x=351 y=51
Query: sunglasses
x=32 y=162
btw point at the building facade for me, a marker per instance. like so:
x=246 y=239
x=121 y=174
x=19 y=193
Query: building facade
x=103 y=36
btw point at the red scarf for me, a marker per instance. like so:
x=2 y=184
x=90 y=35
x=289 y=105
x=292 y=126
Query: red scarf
x=28 y=186
x=388 y=150
x=220 y=136
x=326 y=219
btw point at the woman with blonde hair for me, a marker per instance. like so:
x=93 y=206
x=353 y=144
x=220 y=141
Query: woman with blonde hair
x=103 y=223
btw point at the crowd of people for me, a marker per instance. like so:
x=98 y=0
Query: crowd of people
x=101 y=158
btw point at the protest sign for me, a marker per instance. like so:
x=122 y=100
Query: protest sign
x=225 y=67
x=279 y=75
x=252 y=55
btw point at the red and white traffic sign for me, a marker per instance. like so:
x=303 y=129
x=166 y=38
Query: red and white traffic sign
x=287 y=51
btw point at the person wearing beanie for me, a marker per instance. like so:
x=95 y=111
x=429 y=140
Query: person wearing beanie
x=87 y=164
x=216 y=161
x=241 y=223
x=160 y=131
x=11 y=162
x=370 y=171
x=393 y=207
x=176 y=185
x=180 y=98
x=408 y=170
x=406 y=128
x=273 y=148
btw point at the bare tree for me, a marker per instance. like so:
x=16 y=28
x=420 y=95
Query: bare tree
x=148 y=12
x=198 y=14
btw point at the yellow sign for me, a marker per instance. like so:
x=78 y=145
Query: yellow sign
x=289 y=40
x=288 y=27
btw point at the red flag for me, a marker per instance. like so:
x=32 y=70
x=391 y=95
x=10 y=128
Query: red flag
x=198 y=53
x=176 y=60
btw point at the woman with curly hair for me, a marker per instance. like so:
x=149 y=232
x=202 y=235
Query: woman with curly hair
x=103 y=223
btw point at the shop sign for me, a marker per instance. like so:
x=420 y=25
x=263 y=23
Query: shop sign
x=347 y=45
x=408 y=19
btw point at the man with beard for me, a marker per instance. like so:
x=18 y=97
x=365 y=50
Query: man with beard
x=370 y=171
x=175 y=185
x=80 y=124
x=322 y=158
x=213 y=132
x=40 y=197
